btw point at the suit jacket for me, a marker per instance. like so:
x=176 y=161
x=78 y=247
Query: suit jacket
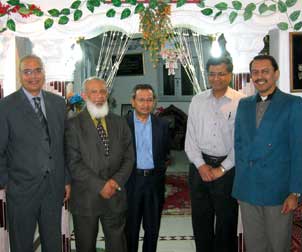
x=268 y=158
x=25 y=156
x=160 y=143
x=89 y=167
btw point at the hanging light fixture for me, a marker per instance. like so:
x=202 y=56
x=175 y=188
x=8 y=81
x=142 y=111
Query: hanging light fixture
x=215 y=49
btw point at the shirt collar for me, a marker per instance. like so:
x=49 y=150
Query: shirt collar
x=228 y=94
x=30 y=96
x=136 y=120
x=269 y=97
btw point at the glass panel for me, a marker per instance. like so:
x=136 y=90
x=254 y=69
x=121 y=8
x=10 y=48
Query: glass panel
x=186 y=85
x=169 y=86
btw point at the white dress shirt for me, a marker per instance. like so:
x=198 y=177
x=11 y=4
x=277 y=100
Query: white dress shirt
x=210 y=127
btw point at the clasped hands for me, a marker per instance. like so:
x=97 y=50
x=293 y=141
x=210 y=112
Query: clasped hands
x=208 y=173
x=109 y=189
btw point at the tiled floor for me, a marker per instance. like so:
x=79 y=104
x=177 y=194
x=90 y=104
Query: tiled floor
x=175 y=235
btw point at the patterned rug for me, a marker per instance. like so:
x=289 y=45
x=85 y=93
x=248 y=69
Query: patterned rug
x=177 y=195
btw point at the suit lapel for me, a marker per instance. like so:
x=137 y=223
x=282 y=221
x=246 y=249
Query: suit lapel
x=271 y=114
x=27 y=110
x=251 y=114
x=89 y=131
x=154 y=136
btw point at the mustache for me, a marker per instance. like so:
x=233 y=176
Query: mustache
x=260 y=80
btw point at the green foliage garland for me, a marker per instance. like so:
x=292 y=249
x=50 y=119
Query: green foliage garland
x=74 y=11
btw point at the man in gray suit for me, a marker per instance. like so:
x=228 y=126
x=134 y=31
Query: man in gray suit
x=100 y=158
x=32 y=160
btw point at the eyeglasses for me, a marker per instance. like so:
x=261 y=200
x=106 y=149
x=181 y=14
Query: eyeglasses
x=29 y=72
x=140 y=100
x=219 y=74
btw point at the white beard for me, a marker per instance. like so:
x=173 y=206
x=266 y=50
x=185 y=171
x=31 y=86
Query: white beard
x=97 y=111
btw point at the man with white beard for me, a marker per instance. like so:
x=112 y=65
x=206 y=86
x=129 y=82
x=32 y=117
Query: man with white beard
x=100 y=157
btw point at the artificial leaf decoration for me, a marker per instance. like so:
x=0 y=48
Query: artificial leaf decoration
x=65 y=11
x=234 y=8
x=207 y=11
x=75 y=5
x=298 y=26
x=116 y=3
x=111 y=13
x=139 y=8
x=10 y=24
x=290 y=3
x=233 y=15
x=247 y=15
x=217 y=15
x=262 y=8
x=295 y=15
x=237 y=5
x=125 y=13
x=221 y=6
x=63 y=20
x=283 y=26
x=77 y=15
x=282 y=6
x=54 y=12
x=48 y=23
x=180 y=3
x=13 y=2
x=272 y=7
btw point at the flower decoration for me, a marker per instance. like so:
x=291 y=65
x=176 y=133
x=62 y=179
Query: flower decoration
x=76 y=102
x=156 y=28
x=170 y=54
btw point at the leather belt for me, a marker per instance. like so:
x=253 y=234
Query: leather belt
x=213 y=160
x=145 y=172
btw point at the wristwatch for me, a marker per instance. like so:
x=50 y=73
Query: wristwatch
x=296 y=194
x=222 y=168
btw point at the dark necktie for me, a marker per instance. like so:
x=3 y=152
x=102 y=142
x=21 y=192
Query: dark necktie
x=103 y=136
x=39 y=112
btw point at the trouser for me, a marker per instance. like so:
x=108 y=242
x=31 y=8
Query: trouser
x=145 y=203
x=86 y=230
x=41 y=208
x=265 y=228
x=210 y=200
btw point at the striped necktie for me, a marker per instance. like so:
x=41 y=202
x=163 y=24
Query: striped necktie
x=39 y=112
x=103 y=136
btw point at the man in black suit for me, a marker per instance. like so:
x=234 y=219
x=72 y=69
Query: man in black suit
x=146 y=185
x=32 y=167
x=100 y=158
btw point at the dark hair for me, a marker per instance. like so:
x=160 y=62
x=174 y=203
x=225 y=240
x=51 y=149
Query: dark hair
x=142 y=87
x=265 y=57
x=219 y=61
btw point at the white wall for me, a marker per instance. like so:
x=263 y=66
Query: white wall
x=279 y=48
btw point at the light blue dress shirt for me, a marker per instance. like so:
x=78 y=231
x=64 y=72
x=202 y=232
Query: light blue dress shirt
x=143 y=140
x=30 y=98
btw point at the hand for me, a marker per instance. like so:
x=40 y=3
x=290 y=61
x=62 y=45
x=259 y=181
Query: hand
x=290 y=204
x=108 y=190
x=67 y=193
x=217 y=172
x=115 y=186
x=205 y=172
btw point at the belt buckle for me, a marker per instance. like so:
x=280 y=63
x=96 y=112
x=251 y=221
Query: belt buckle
x=145 y=173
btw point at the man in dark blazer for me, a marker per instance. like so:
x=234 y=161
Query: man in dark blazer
x=100 y=158
x=32 y=160
x=146 y=185
x=268 y=177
